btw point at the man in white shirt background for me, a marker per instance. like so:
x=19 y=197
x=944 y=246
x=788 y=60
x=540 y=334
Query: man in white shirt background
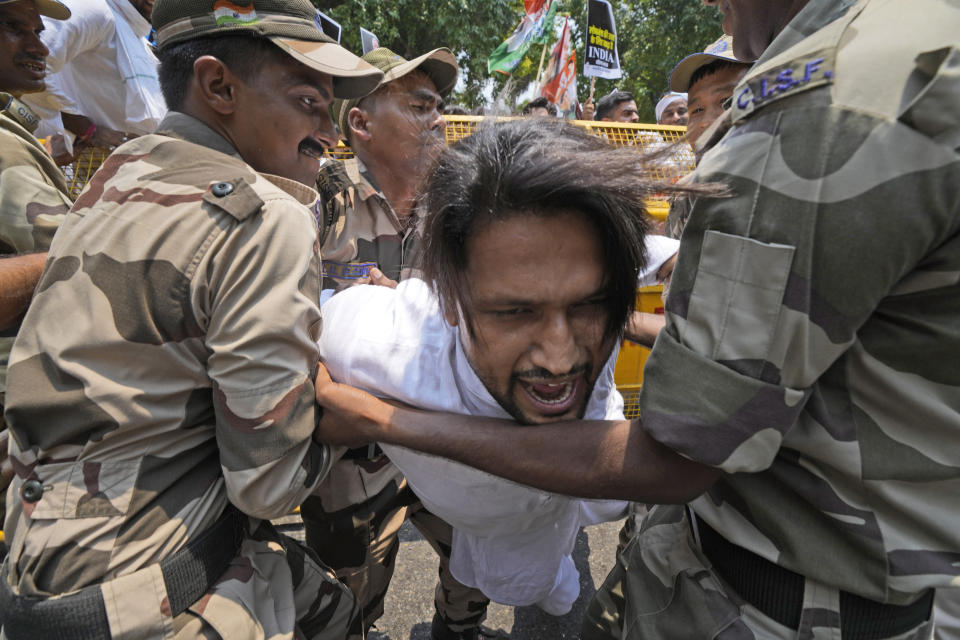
x=102 y=86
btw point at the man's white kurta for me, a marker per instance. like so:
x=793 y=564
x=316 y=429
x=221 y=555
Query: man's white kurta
x=510 y=541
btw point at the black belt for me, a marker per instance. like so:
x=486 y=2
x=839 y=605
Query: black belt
x=368 y=452
x=778 y=593
x=188 y=574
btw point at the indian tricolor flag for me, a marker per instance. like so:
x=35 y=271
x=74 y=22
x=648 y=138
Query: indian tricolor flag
x=226 y=12
x=536 y=26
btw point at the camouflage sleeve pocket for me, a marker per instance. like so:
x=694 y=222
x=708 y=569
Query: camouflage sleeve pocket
x=736 y=299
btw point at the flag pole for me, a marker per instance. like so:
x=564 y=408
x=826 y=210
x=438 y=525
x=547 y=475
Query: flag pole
x=543 y=55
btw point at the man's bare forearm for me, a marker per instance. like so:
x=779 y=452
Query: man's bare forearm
x=589 y=459
x=18 y=279
x=585 y=458
x=643 y=328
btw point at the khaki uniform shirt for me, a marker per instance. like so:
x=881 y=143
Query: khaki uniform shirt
x=816 y=311
x=361 y=229
x=165 y=366
x=34 y=197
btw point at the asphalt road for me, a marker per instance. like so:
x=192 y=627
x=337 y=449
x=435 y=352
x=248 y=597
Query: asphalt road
x=409 y=603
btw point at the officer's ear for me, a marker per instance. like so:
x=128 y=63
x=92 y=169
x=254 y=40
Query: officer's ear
x=216 y=83
x=359 y=123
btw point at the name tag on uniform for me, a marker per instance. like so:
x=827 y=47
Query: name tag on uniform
x=22 y=114
x=347 y=270
x=801 y=74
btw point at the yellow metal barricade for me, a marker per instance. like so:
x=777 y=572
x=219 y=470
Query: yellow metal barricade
x=628 y=374
x=80 y=171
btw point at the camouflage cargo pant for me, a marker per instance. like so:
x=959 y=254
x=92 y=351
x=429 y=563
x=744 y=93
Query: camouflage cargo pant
x=274 y=589
x=352 y=521
x=663 y=588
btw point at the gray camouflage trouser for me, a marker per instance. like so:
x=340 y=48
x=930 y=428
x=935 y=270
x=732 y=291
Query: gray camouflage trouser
x=664 y=588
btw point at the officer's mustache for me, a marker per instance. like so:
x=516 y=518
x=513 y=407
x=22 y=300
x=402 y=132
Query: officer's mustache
x=312 y=148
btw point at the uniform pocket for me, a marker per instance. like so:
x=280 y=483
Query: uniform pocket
x=737 y=296
x=85 y=489
x=670 y=590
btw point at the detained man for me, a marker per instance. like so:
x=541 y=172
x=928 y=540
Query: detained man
x=530 y=275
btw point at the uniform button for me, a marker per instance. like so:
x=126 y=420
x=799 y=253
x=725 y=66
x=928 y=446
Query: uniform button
x=31 y=491
x=222 y=189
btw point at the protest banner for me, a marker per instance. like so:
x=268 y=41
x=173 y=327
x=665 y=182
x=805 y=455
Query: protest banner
x=601 y=58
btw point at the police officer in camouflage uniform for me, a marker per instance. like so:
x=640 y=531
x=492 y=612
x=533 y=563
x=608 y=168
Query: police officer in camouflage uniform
x=33 y=191
x=369 y=223
x=160 y=400
x=816 y=312
x=394 y=133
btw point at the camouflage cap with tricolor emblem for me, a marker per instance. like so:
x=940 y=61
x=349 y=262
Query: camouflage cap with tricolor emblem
x=440 y=65
x=48 y=8
x=292 y=25
x=720 y=49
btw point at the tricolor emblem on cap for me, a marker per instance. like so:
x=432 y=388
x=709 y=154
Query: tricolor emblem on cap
x=225 y=12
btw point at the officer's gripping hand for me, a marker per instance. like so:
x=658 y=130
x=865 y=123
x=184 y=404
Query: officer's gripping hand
x=351 y=417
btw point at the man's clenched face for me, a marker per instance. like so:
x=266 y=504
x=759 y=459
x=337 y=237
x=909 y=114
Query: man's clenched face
x=537 y=303
x=404 y=119
x=22 y=53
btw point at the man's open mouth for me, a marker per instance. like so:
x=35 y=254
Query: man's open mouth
x=553 y=397
x=37 y=67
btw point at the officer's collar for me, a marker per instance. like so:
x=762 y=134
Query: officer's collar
x=188 y=128
x=364 y=180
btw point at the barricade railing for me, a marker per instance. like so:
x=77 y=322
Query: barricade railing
x=645 y=138
x=83 y=167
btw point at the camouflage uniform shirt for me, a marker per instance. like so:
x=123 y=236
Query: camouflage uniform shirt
x=359 y=227
x=34 y=196
x=165 y=369
x=817 y=309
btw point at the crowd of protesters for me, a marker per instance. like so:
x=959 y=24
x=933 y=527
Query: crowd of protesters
x=229 y=325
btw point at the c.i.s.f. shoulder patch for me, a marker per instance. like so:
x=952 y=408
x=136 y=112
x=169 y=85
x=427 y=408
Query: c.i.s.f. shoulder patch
x=761 y=89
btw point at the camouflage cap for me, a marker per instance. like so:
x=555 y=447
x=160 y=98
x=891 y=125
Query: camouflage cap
x=49 y=8
x=721 y=49
x=440 y=65
x=292 y=25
